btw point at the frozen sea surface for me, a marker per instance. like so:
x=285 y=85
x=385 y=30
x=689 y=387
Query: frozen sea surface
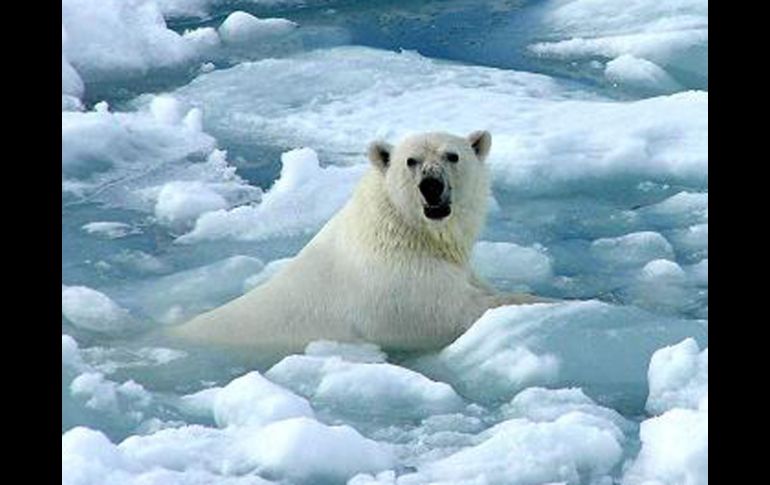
x=205 y=142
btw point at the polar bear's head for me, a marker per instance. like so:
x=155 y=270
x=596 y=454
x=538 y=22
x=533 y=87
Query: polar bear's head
x=434 y=178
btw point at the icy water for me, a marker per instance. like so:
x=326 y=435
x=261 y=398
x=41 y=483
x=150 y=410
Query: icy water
x=182 y=188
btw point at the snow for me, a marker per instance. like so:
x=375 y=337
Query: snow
x=93 y=310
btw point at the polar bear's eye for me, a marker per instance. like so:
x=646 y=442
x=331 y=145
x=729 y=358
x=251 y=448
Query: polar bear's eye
x=452 y=157
x=412 y=162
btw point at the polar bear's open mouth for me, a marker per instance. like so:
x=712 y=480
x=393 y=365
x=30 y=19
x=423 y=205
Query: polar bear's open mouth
x=436 y=212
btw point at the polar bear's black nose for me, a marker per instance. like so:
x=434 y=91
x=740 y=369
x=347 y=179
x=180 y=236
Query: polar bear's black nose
x=432 y=189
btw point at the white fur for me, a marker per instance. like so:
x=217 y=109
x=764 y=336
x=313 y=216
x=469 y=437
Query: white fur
x=379 y=270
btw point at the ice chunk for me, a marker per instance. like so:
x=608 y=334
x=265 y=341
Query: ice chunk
x=200 y=403
x=93 y=310
x=192 y=454
x=144 y=150
x=112 y=39
x=70 y=355
x=699 y=272
x=632 y=249
x=253 y=400
x=511 y=262
x=100 y=147
x=307 y=451
x=72 y=87
x=673 y=35
x=520 y=452
x=110 y=359
x=539 y=404
x=242 y=28
x=300 y=201
x=105 y=395
x=557 y=134
x=663 y=285
x=176 y=297
x=184 y=8
x=693 y=240
x=382 y=389
x=678 y=377
x=513 y=347
x=88 y=456
x=662 y=271
x=185 y=448
x=71 y=84
x=677 y=210
x=180 y=202
x=640 y=74
x=110 y=229
x=674 y=449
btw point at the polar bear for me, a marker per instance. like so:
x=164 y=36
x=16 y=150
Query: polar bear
x=390 y=268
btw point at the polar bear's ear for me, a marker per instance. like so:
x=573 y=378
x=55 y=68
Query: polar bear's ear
x=379 y=154
x=481 y=142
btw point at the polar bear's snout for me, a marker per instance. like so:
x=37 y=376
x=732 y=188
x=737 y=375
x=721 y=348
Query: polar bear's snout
x=437 y=195
x=434 y=190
